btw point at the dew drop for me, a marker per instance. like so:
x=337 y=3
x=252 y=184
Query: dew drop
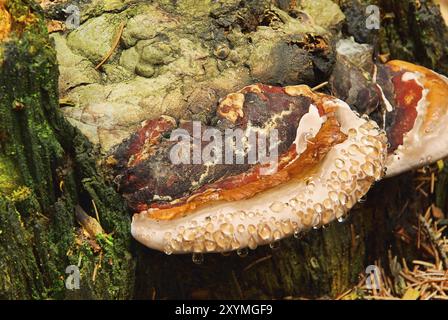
x=227 y=228
x=241 y=214
x=252 y=243
x=168 y=250
x=264 y=232
x=220 y=239
x=175 y=245
x=197 y=258
x=242 y=253
x=344 y=175
x=311 y=187
x=339 y=163
x=318 y=208
x=277 y=235
x=189 y=234
x=327 y=204
x=354 y=162
x=353 y=149
x=363 y=130
x=209 y=227
x=298 y=234
x=342 y=198
x=333 y=196
x=234 y=244
x=198 y=246
x=187 y=245
x=251 y=229
x=362 y=199
x=274 y=245
x=293 y=203
x=210 y=245
x=286 y=227
x=368 y=169
x=277 y=206
x=352 y=132
x=317 y=222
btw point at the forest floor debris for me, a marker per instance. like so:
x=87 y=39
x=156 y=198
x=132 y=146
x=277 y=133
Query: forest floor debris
x=425 y=278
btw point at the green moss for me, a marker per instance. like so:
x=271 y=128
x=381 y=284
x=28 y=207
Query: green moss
x=9 y=176
x=20 y=194
x=41 y=150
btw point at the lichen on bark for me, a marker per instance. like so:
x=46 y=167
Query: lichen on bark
x=179 y=58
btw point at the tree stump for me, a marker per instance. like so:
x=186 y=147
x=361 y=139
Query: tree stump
x=49 y=169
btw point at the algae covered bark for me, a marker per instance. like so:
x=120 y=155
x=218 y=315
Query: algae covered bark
x=47 y=167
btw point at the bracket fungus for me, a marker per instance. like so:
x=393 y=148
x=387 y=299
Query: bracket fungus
x=408 y=101
x=328 y=157
x=418 y=135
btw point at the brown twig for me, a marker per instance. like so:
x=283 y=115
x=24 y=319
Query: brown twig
x=320 y=86
x=237 y=284
x=114 y=46
x=257 y=262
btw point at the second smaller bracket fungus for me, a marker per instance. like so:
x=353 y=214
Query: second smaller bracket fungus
x=408 y=101
x=328 y=158
x=419 y=134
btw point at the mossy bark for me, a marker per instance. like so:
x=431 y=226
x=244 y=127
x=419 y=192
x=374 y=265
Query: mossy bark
x=409 y=30
x=54 y=169
x=47 y=168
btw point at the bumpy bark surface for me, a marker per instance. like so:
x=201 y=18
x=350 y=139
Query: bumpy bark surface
x=179 y=59
x=189 y=57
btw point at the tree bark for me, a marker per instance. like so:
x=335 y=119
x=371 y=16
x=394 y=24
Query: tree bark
x=47 y=167
x=409 y=30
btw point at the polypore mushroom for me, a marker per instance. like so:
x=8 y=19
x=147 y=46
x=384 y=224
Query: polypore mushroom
x=418 y=134
x=409 y=102
x=328 y=158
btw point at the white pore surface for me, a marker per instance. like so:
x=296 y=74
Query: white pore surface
x=420 y=147
x=282 y=211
